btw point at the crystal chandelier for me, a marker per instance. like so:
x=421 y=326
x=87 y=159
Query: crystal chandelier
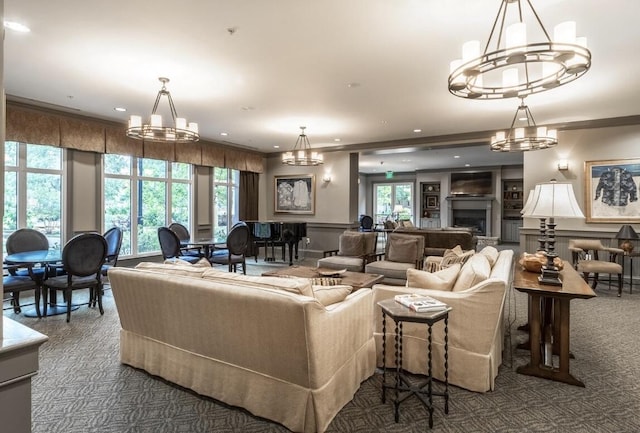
x=302 y=153
x=514 y=67
x=525 y=137
x=180 y=132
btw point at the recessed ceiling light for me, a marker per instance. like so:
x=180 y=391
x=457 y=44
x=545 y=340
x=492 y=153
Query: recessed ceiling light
x=275 y=146
x=121 y=109
x=224 y=134
x=353 y=85
x=16 y=27
x=456 y=156
x=336 y=139
x=417 y=130
x=467 y=165
x=247 y=108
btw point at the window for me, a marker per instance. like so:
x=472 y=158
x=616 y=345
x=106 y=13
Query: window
x=225 y=200
x=33 y=185
x=142 y=194
x=393 y=201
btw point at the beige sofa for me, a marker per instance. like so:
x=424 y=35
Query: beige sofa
x=253 y=342
x=437 y=241
x=476 y=331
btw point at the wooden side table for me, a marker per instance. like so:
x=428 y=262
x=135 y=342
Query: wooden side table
x=400 y=314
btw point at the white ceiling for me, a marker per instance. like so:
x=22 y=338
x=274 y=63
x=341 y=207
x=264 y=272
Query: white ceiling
x=362 y=71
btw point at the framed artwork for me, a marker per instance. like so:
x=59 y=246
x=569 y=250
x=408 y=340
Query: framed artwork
x=611 y=191
x=295 y=194
x=432 y=202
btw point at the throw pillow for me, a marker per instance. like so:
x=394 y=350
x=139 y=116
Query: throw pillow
x=403 y=250
x=476 y=270
x=491 y=253
x=456 y=255
x=351 y=245
x=441 y=280
x=189 y=271
x=202 y=263
x=328 y=295
x=300 y=286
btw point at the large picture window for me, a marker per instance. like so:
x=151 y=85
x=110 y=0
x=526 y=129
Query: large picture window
x=142 y=194
x=225 y=200
x=33 y=185
x=393 y=201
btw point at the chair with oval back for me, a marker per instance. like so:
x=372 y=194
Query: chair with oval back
x=23 y=240
x=237 y=243
x=183 y=234
x=170 y=246
x=82 y=258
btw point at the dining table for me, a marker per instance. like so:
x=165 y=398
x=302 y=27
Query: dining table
x=207 y=244
x=38 y=259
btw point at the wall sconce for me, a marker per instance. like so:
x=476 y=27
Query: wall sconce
x=563 y=164
x=326 y=177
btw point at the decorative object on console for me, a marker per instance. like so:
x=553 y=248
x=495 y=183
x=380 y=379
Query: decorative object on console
x=524 y=68
x=302 y=153
x=529 y=136
x=553 y=200
x=535 y=262
x=180 y=132
x=626 y=234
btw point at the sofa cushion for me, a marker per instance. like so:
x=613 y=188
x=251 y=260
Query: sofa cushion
x=202 y=263
x=476 y=270
x=301 y=286
x=328 y=295
x=350 y=245
x=353 y=264
x=172 y=268
x=441 y=280
x=491 y=253
x=392 y=270
x=403 y=250
x=455 y=255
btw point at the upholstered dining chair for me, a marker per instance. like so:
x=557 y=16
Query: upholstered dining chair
x=113 y=236
x=183 y=234
x=366 y=223
x=237 y=243
x=23 y=240
x=586 y=257
x=82 y=259
x=170 y=246
x=12 y=285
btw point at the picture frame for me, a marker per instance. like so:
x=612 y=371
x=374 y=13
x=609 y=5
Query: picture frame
x=515 y=195
x=611 y=191
x=295 y=194
x=432 y=202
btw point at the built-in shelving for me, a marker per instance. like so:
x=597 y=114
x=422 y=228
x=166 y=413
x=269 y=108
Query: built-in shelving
x=430 y=204
x=512 y=201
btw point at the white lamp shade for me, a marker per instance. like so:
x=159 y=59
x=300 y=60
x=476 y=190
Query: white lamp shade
x=554 y=200
x=527 y=205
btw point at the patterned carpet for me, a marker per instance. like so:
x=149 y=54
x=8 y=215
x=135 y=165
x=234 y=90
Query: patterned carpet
x=83 y=388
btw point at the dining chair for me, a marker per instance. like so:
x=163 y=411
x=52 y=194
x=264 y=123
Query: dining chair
x=12 y=285
x=113 y=236
x=170 y=246
x=183 y=234
x=23 y=240
x=584 y=253
x=235 y=254
x=82 y=259
x=366 y=223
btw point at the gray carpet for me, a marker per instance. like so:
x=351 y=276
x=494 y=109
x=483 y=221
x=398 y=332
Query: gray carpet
x=83 y=388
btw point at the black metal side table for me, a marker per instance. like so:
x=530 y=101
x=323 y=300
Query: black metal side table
x=631 y=255
x=424 y=391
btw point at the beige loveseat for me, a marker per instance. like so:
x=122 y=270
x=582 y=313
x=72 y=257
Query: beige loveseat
x=476 y=331
x=253 y=342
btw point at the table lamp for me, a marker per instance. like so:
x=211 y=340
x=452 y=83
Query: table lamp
x=542 y=239
x=397 y=210
x=553 y=200
x=626 y=235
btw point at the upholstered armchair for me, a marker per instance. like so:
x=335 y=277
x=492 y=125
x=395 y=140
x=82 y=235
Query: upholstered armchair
x=587 y=258
x=401 y=252
x=355 y=250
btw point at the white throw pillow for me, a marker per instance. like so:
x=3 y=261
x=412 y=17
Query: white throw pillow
x=441 y=280
x=491 y=253
x=202 y=263
x=476 y=270
x=328 y=295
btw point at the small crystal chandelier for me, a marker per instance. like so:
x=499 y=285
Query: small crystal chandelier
x=180 y=132
x=523 y=138
x=515 y=67
x=302 y=153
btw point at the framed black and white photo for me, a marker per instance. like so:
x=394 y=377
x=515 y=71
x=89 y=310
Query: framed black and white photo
x=295 y=194
x=611 y=191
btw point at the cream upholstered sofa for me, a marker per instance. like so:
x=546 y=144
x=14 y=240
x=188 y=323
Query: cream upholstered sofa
x=401 y=252
x=355 y=250
x=253 y=342
x=476 y=291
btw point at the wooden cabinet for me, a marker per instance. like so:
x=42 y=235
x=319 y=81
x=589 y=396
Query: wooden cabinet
x=430 y=204
x=512 y=201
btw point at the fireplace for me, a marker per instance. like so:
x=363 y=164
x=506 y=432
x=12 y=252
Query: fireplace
x=471 y=212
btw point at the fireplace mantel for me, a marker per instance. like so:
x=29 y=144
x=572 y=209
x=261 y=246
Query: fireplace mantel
x=469 y=202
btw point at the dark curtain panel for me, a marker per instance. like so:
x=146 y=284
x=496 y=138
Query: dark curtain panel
x=248 y=196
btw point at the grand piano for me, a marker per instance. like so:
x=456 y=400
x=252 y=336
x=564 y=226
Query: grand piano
x=271 y=234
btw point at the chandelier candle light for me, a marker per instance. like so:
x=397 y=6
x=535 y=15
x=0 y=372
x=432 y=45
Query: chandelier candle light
x=553 y=200
x=514 y=67
x=302 y=154
x=526 y=137
x=180 y=132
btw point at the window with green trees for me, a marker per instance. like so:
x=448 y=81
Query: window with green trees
x=393 y=201
x=142 y=194
x=225 y=200
x=33 y=184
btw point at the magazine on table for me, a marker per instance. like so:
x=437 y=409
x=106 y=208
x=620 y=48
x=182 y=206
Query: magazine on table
x=421 y=303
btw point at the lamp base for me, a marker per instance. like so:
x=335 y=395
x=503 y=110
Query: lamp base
x=550 y=276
